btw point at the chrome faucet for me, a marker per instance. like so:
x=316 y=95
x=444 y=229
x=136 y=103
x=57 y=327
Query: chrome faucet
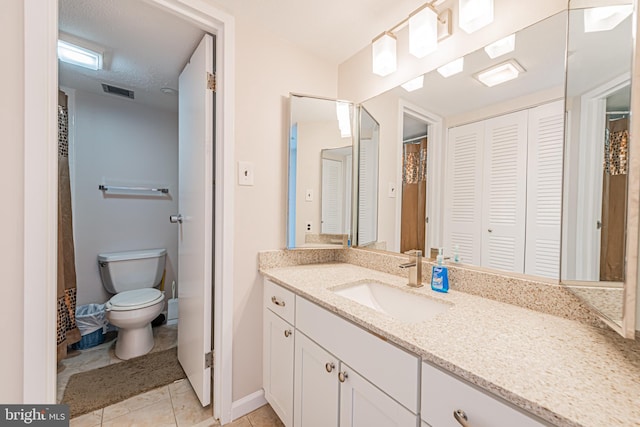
x=415 y=274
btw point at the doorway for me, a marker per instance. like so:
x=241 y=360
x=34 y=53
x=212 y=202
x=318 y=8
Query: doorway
x=41 y=31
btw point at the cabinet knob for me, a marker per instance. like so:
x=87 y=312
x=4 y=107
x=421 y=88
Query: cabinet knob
x=287 y=333
x=342 y=376
x=277 y=302
x=329 y=366
x=461 y=418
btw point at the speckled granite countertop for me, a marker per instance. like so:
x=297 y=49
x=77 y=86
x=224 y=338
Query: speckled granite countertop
x=565 y=372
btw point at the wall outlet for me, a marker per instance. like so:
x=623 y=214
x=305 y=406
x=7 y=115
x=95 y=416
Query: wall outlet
x=308 y=227
x=245 y=173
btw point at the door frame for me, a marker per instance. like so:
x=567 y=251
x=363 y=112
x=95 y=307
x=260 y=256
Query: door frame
x=435 y=171
x=40 y=196
x=591 y=153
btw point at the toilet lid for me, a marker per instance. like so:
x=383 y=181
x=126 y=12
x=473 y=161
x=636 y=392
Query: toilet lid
x=135 y=298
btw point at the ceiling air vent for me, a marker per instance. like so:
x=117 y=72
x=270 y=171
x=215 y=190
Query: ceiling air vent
x=114 y=90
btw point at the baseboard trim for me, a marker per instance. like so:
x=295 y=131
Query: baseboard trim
x=241 y=407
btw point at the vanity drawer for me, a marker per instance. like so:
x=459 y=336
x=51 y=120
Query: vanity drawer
x=442 y=394
x=390 y=368
x=279 y=300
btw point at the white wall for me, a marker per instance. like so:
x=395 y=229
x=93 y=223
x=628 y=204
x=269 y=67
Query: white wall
x=12 y=212
x=120 y=142
x=267 y=69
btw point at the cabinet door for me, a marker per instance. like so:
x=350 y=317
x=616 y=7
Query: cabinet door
x=364 y=405
x=277 y=379
x=316 y=385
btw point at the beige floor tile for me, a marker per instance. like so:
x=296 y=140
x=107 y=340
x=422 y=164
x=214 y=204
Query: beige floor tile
x=211 y=422
x=165 y=337
x=186 y=406
x=137 y=402
x=92 y=419
x=264 y=417
x=158 y=415
x=240 y=422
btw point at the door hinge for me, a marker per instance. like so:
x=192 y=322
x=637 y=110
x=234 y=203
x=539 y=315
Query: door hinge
x=211 y=81
x=208 y=360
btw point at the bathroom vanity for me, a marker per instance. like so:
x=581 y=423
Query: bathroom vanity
x=498 y=364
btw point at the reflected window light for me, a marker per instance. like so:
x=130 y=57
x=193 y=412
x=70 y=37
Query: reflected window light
x=453 y=67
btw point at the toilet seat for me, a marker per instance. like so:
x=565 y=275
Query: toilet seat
x=135 y=299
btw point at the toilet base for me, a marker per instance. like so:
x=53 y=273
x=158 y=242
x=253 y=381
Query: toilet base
x=134 y=342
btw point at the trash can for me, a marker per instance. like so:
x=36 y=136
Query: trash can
x=91 y=321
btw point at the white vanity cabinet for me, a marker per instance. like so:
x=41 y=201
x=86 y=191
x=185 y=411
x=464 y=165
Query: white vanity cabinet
x=278 y=350
x=357 y=378
x=442 y=394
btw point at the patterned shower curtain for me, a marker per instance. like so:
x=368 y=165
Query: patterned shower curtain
x=68 y=332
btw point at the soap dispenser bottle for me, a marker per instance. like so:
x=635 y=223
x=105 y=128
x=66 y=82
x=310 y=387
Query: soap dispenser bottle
x=440 y=275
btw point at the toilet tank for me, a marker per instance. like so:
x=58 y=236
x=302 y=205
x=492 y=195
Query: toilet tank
x=129 y=270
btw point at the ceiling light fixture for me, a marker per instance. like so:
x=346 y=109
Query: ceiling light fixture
x=423 y=31
x=501 y=47
x=426 y=28
x=77 y=52
x=384 y=54
x=453 y=67
x=413 y=84
x=474 y=14
x=500 y=73
x=605 y=18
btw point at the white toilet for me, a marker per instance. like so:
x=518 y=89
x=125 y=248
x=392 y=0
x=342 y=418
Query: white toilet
x=132 y=276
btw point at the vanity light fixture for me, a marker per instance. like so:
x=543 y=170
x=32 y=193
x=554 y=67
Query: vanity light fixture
x=426 y=28
x=500 y=73
x=453 y=67
x=501 y=47
x=413 y=84
x=605 y=18
x=76 y=52
x=344 y=118
x=474 y=14
x=423 y=31
x=384 y=54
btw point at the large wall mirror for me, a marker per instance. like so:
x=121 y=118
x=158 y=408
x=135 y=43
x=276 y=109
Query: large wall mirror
x=474 y=165
x=597 y=162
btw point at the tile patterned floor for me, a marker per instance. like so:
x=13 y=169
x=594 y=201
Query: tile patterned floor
x=172 y=405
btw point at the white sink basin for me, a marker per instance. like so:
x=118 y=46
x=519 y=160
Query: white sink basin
x=395 y=302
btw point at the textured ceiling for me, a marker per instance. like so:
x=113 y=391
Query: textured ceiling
x=141 y=53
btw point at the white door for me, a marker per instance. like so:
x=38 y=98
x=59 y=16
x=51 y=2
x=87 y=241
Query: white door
x=316 y=385
x=277 y=365
x=463 y=197
x=544 y=190
x=505 y=189
x=195 y=201
x=364 y=405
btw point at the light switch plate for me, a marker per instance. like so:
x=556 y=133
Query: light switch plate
x=245 y=173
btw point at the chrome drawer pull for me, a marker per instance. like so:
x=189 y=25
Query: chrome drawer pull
x=276 y=301
x=461 y=417
x=329 y=366
x=342 y=376
x=287 y=333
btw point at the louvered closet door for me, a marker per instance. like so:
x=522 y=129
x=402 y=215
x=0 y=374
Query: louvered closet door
x=463 y=199
x=332 y=197
x=544 y=189
x=504 y=195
